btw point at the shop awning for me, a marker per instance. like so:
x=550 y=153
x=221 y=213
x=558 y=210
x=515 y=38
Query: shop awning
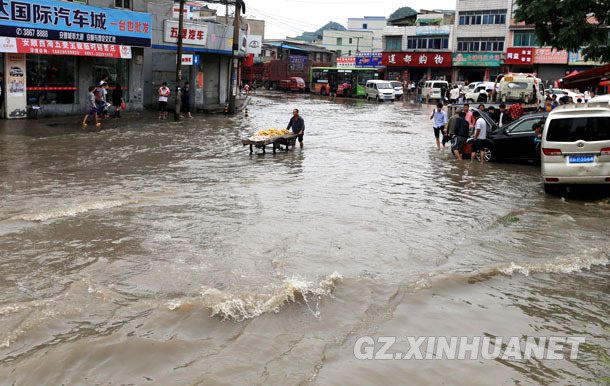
x=288 y=47
x=587 y=78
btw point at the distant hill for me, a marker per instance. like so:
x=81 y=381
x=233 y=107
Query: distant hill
x=402 y=13
x=317 y=35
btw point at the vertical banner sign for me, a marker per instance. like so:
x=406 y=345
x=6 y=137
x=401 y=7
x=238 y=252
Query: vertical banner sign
x=199 y=89
x=16 y=101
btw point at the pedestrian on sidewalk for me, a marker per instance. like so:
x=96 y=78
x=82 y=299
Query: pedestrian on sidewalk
x=298 y=126
x=117 y=100
x=185 y=100
x=91 y=107
x=164 y=92
x=440 y=121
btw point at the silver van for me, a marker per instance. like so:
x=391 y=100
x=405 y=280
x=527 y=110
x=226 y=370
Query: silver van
x=433 y=89
x=380 y=90
x=576 y=145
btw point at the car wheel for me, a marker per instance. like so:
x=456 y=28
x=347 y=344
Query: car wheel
x=488 y=155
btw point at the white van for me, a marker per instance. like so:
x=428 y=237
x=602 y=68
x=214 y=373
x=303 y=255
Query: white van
x=576 y=145
x=433 y=89
x=473 y=95
x=380 y=90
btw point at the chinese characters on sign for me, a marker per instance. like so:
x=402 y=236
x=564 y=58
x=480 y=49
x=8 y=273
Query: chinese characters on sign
x=417 y=59
x=54 y=47
x=550 y=56
x=477 y=59
x=46 y=19
x=194 y=34
x=517 y=55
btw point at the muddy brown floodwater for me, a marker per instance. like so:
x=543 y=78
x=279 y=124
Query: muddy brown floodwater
x=165 y=254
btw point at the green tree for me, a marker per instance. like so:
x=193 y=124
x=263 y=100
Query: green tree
x=569 y=24
x=402 y=12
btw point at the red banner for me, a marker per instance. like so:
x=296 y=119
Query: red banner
x=55 y=47
x=416 y=59
x=520 y=55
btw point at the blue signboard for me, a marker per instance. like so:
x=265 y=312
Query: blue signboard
x=195 y=60
x=368 y=59
x=54 y=20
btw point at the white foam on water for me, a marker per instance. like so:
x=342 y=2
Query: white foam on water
x=559 y=265
x=239 y=307
x=45 y=214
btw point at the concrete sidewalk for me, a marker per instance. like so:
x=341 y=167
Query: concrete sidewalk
x=73 y=123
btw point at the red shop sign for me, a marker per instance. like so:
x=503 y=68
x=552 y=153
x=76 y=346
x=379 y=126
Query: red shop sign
x=416 y=59
x=55 y=47
x=520 y=55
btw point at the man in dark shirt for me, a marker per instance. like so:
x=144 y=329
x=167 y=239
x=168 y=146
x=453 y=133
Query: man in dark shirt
x=298 y=126
x=460 y=131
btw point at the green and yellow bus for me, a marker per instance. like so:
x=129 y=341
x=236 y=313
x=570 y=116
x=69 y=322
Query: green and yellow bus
x=349 y=81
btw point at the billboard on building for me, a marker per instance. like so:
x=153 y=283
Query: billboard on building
x=416 y=59
x=54 y=47
x=578 y=59
x=69 y=21
x=520 y=55
x=254 y=44
x=477 y=59
x=194 y=34
x=550 y=56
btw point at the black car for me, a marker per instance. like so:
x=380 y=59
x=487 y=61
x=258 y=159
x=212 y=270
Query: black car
x=516 y=140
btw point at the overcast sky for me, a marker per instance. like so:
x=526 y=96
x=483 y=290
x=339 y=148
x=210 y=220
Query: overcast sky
x=292 y=17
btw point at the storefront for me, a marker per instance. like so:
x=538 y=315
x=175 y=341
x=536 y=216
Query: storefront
x=209 y=45
x=476 y=66
x=414 y=66
x=57 y=50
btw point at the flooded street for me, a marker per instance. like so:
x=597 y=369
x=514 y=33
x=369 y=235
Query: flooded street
x=166 y=254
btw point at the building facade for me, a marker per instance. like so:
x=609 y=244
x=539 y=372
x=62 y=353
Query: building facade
x=375 y=24
x=346 y=43
x=481 y=31
x=422 y=51
x=53 y=51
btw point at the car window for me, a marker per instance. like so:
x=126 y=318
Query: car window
x=579 y=129
x=524 y=127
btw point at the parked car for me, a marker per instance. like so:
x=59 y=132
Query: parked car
x=292 y=84
x=398 y=91
x=472 y=96
x=515 y=141
x=380 y=90
x=434 y=89
x=561 y=92
x=576 y=146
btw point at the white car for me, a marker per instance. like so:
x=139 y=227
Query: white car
x=398 y=91
x=569 y=93
x=473 y=95
x=576 y=146
x=601 y=98
x=380 y=90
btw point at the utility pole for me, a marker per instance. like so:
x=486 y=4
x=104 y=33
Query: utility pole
x=179 y=62
x=239 y=7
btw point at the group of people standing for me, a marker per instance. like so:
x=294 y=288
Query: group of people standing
x=469 y=123
x=185 y=100
x=98 y=102
x=457 y=129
